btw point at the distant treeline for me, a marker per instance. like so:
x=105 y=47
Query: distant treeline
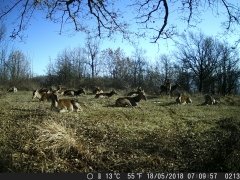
x=199 y=64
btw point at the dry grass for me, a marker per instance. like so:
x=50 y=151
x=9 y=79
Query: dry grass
x=157 y=136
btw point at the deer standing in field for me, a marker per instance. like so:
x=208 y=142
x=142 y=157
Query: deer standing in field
x=183 y=99
x=173 y=88
x=130 y=101
x=64 y=105
x=102 y=95
x=166 y=87
x=12 y=89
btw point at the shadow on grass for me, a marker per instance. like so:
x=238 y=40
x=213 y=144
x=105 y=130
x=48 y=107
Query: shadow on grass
x=215 y=150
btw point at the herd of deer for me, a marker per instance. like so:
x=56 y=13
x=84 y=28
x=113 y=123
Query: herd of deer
x=131 y=100
x=65 y=104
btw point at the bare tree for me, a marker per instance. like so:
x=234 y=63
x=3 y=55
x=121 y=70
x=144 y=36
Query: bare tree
x=106 y=17
x=92 y=49
x=166 y=67
x=3 y=54
x=2 y=32
x=110 y=58
x=139 y=66
x=199 y=55
x=152 y=79
x=79 y=61
x=228 y=72
x=18 y=66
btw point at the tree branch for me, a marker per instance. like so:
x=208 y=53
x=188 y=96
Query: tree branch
x=10 y=9
x=231 y=17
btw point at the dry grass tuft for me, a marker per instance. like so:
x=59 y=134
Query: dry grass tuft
x=55 y=137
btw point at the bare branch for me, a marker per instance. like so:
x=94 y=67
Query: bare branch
x=10 y=9
x=151 y=16
x=70 y=14
x=165 y=21
x=231 y=18
x=190 y=11
x=20 y=27
x=105 y=19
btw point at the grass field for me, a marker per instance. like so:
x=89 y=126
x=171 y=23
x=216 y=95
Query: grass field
x=157 y=136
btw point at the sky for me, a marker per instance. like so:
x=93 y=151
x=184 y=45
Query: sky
x=43 y=42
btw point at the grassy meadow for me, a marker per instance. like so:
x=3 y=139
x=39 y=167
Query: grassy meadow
x=157 y=136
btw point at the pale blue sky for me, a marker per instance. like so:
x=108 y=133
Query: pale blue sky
x=44 y=42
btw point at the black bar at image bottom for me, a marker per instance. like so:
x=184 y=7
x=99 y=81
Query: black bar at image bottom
x=123 y=176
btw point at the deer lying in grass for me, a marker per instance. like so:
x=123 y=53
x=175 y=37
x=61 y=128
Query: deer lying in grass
x=60 y=90
x=44 y=90
x=64 y=105
x=139 y=89
x=79 y=92
x=183 y=99
x=41 y=95
x=12 y=89
x=130 y=101
x=74 y=92
x=209 y=100
x=103 y=95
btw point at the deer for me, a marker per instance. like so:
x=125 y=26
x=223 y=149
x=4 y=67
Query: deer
x=130 y=101
x=44 y=90
x=173 y=88
x=183 y=99
x=74 y=92
x=166 y=87
x=64 y=105
x=102 y=95
x=139 y=89
x=41 y=95
x=60 y=90
x=209 y=100
x=97 y=90
x=12 y=89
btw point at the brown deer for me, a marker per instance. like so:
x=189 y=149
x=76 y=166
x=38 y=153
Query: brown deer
x=102 y=95
x=183 y=99
x=64 y=105
x=130 y=101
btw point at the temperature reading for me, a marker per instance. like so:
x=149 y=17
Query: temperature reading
x=113 y=176
x=134 y=176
